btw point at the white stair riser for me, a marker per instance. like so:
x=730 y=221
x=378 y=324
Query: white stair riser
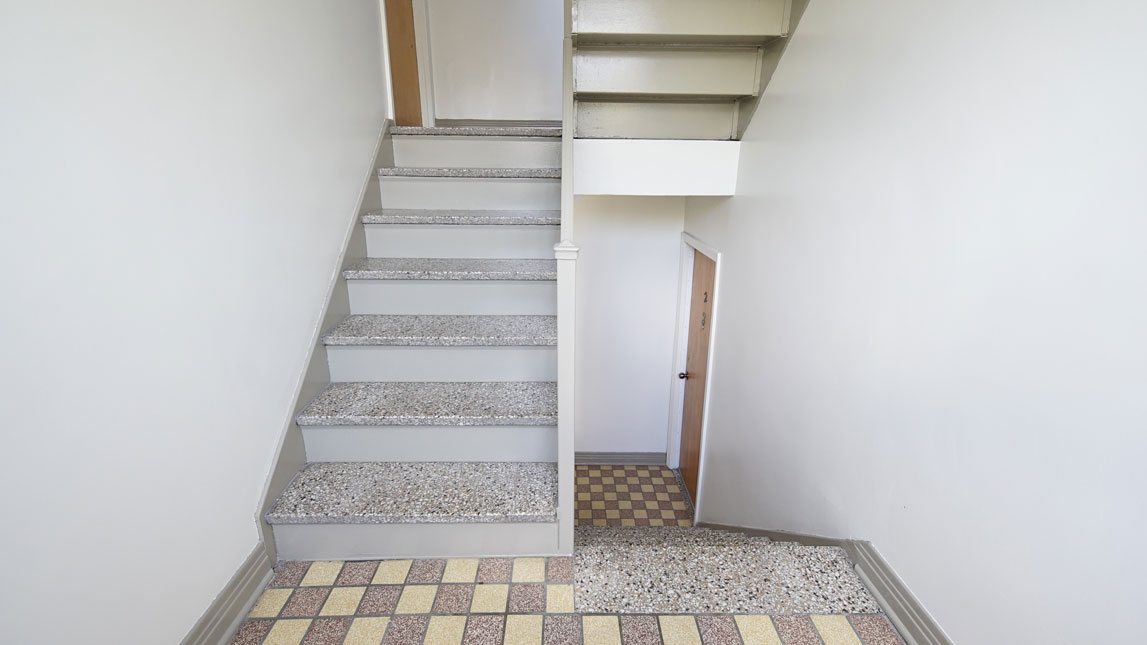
x=431 y=443
x=439 y=151
x=448 y=241
x=376 y=541
x=656 y=119
x=460 y=297
x=404 y=363
x=673 y=71
x=470 y=193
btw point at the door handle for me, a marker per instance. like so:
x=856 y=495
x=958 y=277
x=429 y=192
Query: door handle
x=683 y=375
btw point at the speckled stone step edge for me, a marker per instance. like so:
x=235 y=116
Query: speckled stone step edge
x=451 y=269
x=462 y=217
x=478 y=131
x=524 y=403
x=418 y=492
x=474 y=173
x=444 y=331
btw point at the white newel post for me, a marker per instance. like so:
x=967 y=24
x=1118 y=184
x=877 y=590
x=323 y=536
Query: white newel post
x=566 y=254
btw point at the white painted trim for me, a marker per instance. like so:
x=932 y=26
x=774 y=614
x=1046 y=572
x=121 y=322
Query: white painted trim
x=384 y=54
x=421 y=11
x=681 y=344
x=289 y=455
x=428 y=540
x=234 y=602
x=680 y=348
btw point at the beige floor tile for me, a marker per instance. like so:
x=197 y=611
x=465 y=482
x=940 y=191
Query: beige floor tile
x=600 y=630
x=287 y=632
x=489 y=599
x=757 y=630
x=343 y=601
x=460 y=570
x=679 y=630
x=445 y=630
x=523 y=629
x=559 y=599
x=391 y=572
x=835 y=630
x=321 y=574
x=529 y=570
x=366 y=631
x=270 y=603
x=416 y=599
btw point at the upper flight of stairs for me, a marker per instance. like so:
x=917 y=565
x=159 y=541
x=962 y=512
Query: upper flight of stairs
x=438 y=433
x=671 y=69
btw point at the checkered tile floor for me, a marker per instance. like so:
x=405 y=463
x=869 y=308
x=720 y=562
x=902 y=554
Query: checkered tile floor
x=631 y=496
x=499 y=601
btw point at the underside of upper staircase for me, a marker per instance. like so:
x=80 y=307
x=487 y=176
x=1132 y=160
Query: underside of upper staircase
x=672 y=69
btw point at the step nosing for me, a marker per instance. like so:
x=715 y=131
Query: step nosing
x=463 y=217
x=443 y=330
x=418 y=492
x=473 y=173
x=452 y=269
x=439 y=341
x=541 y=132
x=516 y=403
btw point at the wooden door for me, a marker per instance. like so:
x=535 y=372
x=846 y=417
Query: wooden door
x=403 y=62
x=696 y=365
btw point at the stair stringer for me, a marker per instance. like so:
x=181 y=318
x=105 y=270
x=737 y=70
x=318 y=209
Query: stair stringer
x=290 y=454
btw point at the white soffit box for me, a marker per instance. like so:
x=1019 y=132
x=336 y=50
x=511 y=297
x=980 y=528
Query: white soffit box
x=655 y=167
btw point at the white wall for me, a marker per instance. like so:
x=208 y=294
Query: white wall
x=176 y=182
x=627 y=274
x=497 y=59
x=933 y=303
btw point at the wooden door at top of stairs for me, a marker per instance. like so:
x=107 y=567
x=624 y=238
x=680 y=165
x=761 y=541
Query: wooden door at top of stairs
x=696 y=367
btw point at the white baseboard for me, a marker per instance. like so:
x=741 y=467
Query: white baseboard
x=620 y=458
x=915 y=625
x=222 y=618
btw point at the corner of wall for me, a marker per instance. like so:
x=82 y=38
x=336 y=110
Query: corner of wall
x=222 y=618
x=290 y=455
x=774 y=50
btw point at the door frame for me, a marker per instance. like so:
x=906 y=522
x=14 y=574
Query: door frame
x=689 y=244
x=425 y=64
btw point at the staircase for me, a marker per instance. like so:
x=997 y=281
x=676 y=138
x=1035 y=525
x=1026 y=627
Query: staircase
x=672 y=69
x=437 y=435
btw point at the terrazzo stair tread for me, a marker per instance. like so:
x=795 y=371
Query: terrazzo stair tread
x=433 y=404
x=444 y=331
x=478 y=131
x=418 y=492
x=474 y=173
x=452 y=269
x=462 y=217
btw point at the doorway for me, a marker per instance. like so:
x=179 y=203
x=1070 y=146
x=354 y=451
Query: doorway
x=695 y=322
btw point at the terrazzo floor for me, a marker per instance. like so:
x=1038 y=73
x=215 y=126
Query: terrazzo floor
x=501 y=601
x=686 y=570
